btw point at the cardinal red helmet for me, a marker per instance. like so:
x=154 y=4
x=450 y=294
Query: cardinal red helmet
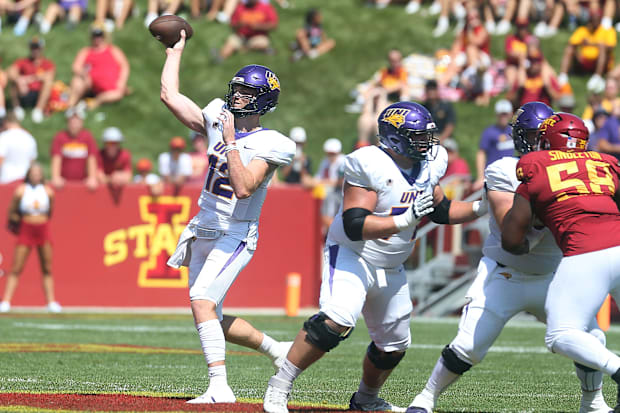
x=563 y=131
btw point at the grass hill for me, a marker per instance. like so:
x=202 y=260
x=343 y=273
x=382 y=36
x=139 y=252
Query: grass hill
x=314 y=93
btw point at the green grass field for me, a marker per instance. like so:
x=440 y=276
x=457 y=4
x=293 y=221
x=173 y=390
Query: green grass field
x=314 y=93
x=160 y=355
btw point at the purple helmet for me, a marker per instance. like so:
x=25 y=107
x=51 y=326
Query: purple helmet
x=408 y=129
x=264 y=81
x=525 y=123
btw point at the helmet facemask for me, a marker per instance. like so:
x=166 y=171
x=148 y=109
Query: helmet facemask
x=419 y=145
x=251 y=108
x=525 y=140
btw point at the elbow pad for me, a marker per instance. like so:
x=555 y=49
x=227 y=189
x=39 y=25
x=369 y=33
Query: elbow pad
x=353 y=222
x=441 y=214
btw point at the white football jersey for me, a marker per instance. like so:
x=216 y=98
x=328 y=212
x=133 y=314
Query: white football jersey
x=219 y=207
x=544 y=258
x=371 y=167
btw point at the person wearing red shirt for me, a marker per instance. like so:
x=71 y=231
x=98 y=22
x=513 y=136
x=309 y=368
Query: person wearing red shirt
x=251 y=23
x=515 y=47
x=471 y=47
x=574 y=193
x=114 y=161
x=31 y=79
x=536 y=80
x=101 y=70
x=74 y=153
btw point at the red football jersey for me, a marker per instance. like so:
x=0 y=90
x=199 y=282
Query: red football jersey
x=572 y=194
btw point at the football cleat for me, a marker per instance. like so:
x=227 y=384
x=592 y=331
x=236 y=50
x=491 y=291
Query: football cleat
x=375 y=405
x=276 y=396
x=413 y=409
x=215 y=394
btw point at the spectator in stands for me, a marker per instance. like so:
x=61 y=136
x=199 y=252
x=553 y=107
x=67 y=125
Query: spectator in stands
x=476 y=82
x=144 y=176
x=457 y=179
x=311 y=39
x=441 y=110
x=175 y=166
x=19 y=11
x=332 y=201
x=515 y=47
x=601 y=95
x=495 y=141
x=100 y=69
x=536 y=79
x=200 y=162
x=389 y=85
x=444 y=8
x=31 y=79
x=73 y=10
x=29 y=216
x=548 y=13
x=599 y=118
x=221 y=10
x=566 y=103
x=471 y=47
x=251 y=22
x=155 y=7
x=114 y=160
x=17 y=150
x=589 y=50
x=74 y=153
x=608 y=137
x=327 y=174
x=298 y=171
x=582 y=10
x=117 y=11
x=503 y=10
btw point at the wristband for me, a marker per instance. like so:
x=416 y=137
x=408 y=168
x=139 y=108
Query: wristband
x=231 y=147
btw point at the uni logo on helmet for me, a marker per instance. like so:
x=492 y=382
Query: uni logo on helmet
x=273 y=81
x=395 y=116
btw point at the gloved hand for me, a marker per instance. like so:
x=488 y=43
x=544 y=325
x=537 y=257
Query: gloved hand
x=422 y=205
x=481 y=207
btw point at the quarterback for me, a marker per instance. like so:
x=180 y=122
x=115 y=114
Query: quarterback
x=574 y=193
x=507 y=284
x=221 y=239
x=387 y=190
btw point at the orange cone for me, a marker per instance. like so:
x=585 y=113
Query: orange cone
x=293 y=293
x=604 y=314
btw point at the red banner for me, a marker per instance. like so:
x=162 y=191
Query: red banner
x=111 y=249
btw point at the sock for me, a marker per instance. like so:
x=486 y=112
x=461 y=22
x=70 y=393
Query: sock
x=269 y=347
x=217 y=375
x=212 y=341
x=365 y=393
x=288 y=372
x=440 y=379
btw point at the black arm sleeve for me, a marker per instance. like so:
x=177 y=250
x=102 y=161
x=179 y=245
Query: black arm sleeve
x=353 y=222
x=441 y=214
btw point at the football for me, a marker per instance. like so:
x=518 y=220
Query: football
x=167 y=29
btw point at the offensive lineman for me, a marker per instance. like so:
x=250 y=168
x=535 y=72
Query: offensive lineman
x=507 y=284
x=220 y=240
x=387 y=190
x=575 y=194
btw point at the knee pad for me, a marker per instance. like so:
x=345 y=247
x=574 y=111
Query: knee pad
x=322 y=335
x=383 y=360
x=453 y=362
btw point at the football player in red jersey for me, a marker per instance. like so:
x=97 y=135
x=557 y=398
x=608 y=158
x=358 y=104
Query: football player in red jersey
x=573 y=192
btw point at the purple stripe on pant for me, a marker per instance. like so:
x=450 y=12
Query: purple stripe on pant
x=237 y=251
x=333 y=254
